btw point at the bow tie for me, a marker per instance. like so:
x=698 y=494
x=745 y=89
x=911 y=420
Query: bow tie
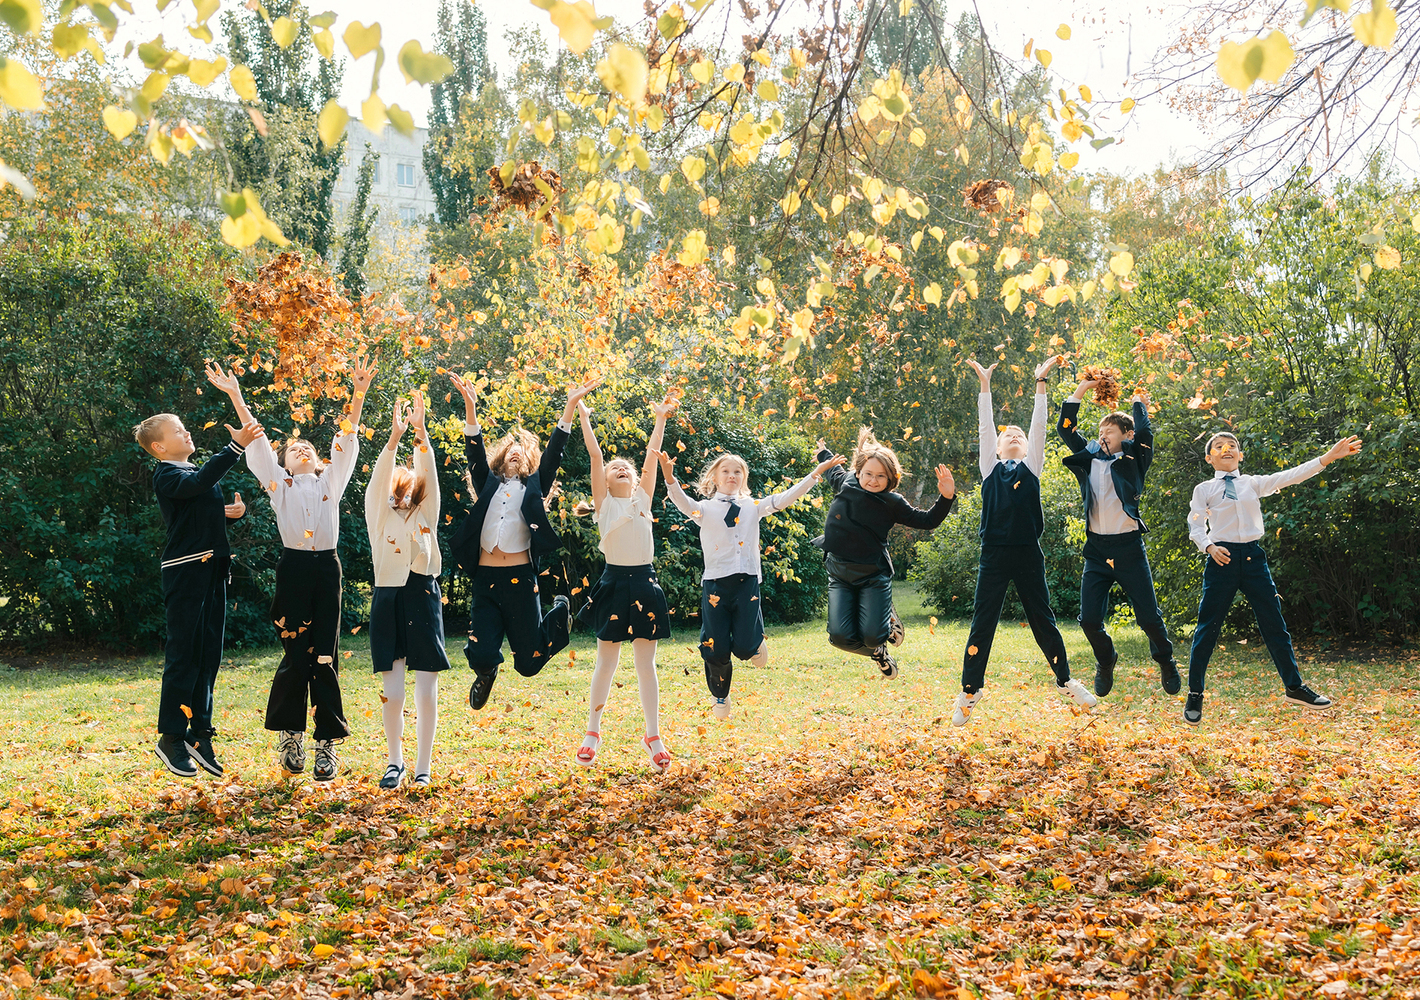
x=1105 y=458
x=1010 y=464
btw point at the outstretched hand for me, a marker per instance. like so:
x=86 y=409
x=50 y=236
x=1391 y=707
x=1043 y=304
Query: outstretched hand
x=362 y=373
x=946 y=484
x=399 y=421
x=236 y=508
x=984 y=374
x=1344 y=448
x=416 y=415
x=830 y=463
x=576 y=392
x=665 y=408
x=223 y=380
x=466 y=388
x=1043 y=369
x=249 y=432
x=667 y=464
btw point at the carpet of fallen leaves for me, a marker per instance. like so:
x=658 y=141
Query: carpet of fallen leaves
x=892 y=861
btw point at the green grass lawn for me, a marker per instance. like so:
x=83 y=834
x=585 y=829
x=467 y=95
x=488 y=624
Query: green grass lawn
x=837 y=837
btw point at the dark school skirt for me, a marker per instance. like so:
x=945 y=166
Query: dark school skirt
x=408 y=623
x=627 y=603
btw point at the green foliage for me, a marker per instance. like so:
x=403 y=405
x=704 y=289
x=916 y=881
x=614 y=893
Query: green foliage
x=355 y=247
x=946 y=563
x=462 y=35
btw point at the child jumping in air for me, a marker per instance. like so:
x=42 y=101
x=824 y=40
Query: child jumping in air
x=1225 y=522
x=1012 y=520
x=502 y=541
x=731 y=619
x=626 y=603
x=196 y=565
x=854 y=541
x=305 y=497
x=1111 y=473
x=406 y=608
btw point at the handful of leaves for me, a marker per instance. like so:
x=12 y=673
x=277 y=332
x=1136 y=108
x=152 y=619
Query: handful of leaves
x=1107 y=384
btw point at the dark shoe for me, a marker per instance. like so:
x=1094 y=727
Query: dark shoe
x=394 y=776
x=562 y=608
x=1104 y=677
x=885 y=662
x=897 y=635
x=290 y=745
x=481 y=689
x=200 y=748
x=1168 y=677
x=327 y=764
x=1193 y=708
x=172 y=751
x=1306 y=696
x=423 y=779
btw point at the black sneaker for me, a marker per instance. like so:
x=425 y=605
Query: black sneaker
x=200 y=748
x=291 y=751
x=481 y=689
x=327 y=764
x=897 y=634
x=1193 y=708
x=1306 y=696
x=885 y=662
x=562 y=608
x=1168 y=677
x=1104 y=677
x=394 y=776
x=172 y=751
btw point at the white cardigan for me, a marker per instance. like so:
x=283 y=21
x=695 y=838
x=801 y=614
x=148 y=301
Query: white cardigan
x=403 y=541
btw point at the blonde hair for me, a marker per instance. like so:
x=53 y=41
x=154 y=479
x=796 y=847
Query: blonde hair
x=586 y=507
x=705 y=485
x=152 y=429
x=870 y=447
x=409 y=488
x=525 y=439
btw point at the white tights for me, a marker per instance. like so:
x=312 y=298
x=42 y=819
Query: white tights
x=426 y=706
x=643 y=652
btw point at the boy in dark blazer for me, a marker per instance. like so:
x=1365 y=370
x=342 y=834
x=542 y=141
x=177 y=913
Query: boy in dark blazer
x=196 y=563
x=502 y=542
x=1111 y=471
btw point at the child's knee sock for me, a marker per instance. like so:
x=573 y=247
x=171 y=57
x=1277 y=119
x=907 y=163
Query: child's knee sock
x=426 y=723
x=393 y=712
x=608 y=653
x=644 y=651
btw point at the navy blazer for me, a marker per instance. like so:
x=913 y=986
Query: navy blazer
x=465 y=544
x=1127 y=471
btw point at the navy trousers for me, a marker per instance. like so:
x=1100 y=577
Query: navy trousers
x=1246 y=571
x=196 y=597
x=505 y=602
x=731 y=623
x=1111 y=559
x=1001 y=565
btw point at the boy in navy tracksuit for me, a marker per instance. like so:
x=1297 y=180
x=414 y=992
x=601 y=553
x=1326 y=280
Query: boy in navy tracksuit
x=196 y=564
x=1111 y=472
x=1011 y=524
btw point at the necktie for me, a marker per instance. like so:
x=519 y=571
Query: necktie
x=1230 y=492
x=732 y=515
x=1010 y=465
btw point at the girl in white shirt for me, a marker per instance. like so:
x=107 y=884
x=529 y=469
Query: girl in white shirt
x=731 y=619
x=406 y=609
x=627 y=602
x=305 y=497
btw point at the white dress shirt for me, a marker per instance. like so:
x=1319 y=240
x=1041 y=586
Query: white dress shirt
x=1107 y=516
x=1215 y=519
x=505 y=527
x=625 y=526
x=307 y=507
x=734 y=549
x=403 y=541
x=1035 y=440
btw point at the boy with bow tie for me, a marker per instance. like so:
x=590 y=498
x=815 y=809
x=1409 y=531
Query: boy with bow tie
x=1111 y=472
x=1225 y=522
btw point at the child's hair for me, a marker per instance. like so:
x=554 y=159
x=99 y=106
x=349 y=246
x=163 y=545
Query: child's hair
x=153 y=428
x=408 y=488
x=705 y=485
x=870 y=447
x=1119 y=419
x=532 y=451
x=1226 y=435
x=290 y=443
x=585 y=507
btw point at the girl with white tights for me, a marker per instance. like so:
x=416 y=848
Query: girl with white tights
x=626 y=603
x=406 y=610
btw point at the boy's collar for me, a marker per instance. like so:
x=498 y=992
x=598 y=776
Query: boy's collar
x=184 y=464
x=1220 y=473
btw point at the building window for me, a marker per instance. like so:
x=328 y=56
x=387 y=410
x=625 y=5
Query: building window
x=404 y=174
x=376 y=158
x=408 y=214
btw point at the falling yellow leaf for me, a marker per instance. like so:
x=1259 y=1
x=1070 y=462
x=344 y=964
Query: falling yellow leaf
x=360 y=39
x=120 y=121
x=1387 y=257
x=331 y=123
x=19 y=88
x=283 y=31
x=933 y=294
x=243 y=82
x=624 y=71
x=1377 y=27
x=1063 y=32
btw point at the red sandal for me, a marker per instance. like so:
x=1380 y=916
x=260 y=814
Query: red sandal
x=585 y=754
x=661 y=760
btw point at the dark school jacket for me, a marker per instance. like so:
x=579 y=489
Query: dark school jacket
x=465 y=544
x=1127 y=471
x=194 y=511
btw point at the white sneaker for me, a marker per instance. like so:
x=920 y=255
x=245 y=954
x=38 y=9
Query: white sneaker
x=1078 y=693
x=965 y=703
x=761 y=655
x=721 y=707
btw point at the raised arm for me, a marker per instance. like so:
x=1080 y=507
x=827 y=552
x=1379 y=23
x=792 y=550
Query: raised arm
x=778 y=501
x=227 y=382
x=362 y=374
x=184 y=483
x=1035 y=441
x=473 y=450
x=1269 y=484
x=915 y=517
x=1068 y=427
x=683 y=503
x=552 y=454
x=1143 y=431
x=381 y=485
x=594 y=450
x=425 y=459
x=662 y=410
